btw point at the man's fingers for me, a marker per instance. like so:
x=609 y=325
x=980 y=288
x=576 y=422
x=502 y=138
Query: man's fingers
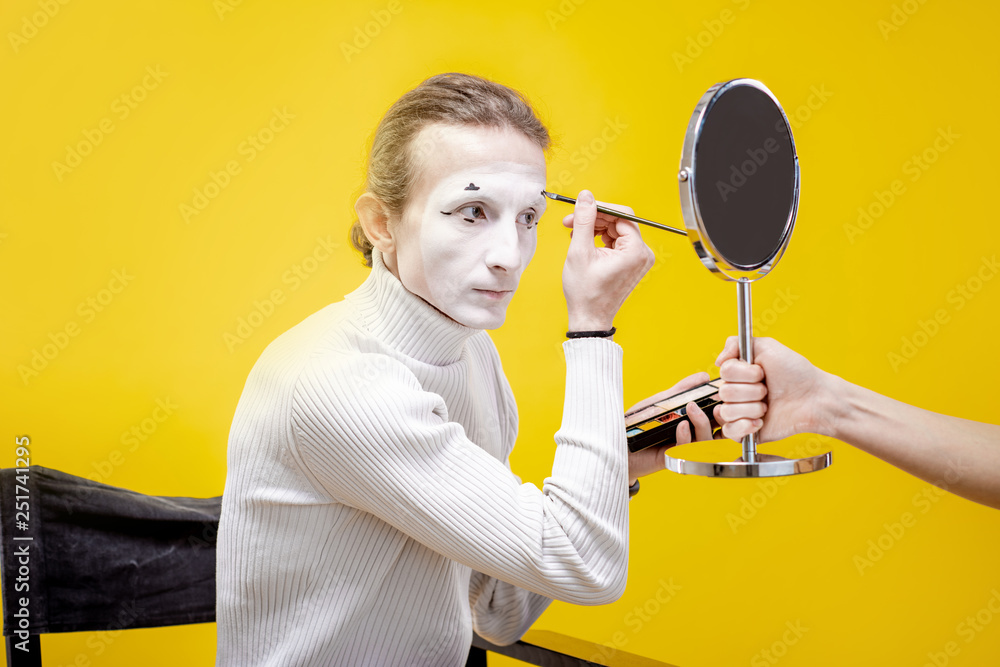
x=702 y=425
x=609 y=222
x=627 y=233
x=731 y=350
x=730 y=412
x=602 y=223
x=683 y=433
x=727 y=413
x=689 y=382
x=614 y=207
x=584 y=217
x=734 y=370
x=742 y=427
x=740 y=392
x=612 y=231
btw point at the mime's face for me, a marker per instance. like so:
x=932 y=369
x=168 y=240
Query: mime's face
x=470 y=226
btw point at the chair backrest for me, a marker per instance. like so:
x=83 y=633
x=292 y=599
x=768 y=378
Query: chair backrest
x=78 y=555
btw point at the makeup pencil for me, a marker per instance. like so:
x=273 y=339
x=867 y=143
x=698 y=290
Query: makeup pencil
x=618 y=214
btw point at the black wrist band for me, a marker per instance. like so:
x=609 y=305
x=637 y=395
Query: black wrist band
x=634 y=489
x=591 y=334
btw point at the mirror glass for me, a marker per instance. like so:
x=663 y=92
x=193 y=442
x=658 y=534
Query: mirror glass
x=744 y=175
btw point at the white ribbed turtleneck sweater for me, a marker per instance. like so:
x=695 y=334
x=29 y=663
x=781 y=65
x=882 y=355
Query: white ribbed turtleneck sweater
x=369 y=515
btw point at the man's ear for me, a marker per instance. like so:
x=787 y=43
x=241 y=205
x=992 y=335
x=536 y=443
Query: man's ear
x=374 y=218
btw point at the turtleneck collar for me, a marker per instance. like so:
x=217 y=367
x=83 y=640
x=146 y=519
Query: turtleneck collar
x=406 y=322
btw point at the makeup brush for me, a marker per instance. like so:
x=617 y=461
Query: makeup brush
x=618 y=214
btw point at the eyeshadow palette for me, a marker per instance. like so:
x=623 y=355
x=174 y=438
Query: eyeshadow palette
x=657 y=424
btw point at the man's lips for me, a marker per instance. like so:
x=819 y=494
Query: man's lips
x=496 y=294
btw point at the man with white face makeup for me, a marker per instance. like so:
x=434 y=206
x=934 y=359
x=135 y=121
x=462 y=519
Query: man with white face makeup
x=370 y=515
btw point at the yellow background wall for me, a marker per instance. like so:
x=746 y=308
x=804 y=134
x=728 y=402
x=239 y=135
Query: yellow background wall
x=167 y=96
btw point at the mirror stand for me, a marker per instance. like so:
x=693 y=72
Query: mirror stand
x=745 y=332
x=751 y=464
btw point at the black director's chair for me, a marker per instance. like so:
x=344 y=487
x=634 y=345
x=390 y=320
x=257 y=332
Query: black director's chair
x=99 y=558
x=77 y=555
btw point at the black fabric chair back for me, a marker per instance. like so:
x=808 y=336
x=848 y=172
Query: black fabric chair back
x=88 y=556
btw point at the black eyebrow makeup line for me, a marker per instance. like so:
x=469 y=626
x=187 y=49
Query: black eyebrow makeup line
x=450 y=212
x=471 y=186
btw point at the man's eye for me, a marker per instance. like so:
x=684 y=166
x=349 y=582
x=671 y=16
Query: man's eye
x=528 y=218
x=473 y=212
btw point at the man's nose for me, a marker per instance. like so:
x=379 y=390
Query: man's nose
x=504 y=250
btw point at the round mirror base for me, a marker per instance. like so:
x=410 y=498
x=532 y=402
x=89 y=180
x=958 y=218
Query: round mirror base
x=767 y=466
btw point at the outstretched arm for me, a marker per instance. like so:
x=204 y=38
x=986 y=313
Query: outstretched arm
x=959 y=455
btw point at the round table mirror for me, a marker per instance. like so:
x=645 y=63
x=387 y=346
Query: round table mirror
x=739 y=191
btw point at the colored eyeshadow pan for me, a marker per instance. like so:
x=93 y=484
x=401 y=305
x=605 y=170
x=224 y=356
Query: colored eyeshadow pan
x=670 y=416
x=642 y=415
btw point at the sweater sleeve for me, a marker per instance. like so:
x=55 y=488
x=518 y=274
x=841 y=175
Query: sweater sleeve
x=369 y=436
x=503 y=612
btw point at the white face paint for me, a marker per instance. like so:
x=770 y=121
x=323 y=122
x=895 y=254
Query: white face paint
x=461 y=249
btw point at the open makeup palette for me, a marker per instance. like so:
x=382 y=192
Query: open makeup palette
x=656 y=424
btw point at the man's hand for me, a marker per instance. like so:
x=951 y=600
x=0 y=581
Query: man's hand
x=650 y=460
x=596 y=281
x=796 y=391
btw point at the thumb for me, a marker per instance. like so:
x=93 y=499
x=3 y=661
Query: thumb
x=731 y=350
x=584 y=218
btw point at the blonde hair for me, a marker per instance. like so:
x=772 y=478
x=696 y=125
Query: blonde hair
x=447 y=99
